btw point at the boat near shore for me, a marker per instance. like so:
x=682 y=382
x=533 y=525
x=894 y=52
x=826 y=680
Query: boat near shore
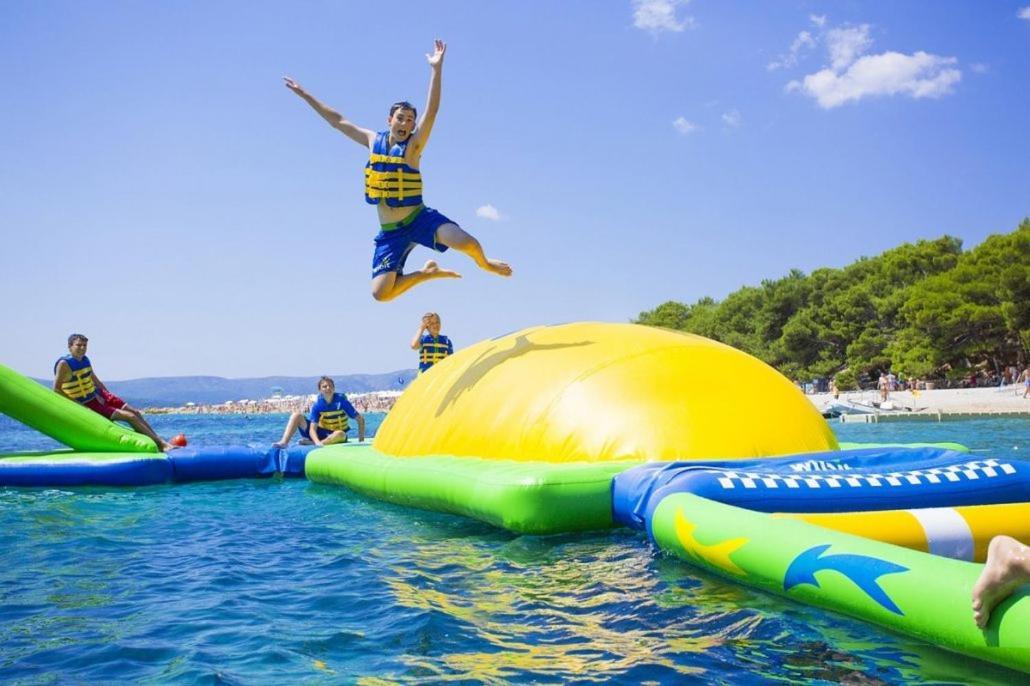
x=836 y=407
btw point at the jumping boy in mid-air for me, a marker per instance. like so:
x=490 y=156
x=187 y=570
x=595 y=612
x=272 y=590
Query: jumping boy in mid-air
x=394 y=184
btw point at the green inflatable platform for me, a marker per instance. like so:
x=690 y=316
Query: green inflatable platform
x=525 y=497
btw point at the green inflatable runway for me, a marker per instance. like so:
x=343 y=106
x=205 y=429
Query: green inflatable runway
x=911 y=592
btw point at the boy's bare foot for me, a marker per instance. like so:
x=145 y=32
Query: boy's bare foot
x=279 y=444
x=166 y=446
x=431 y=267
x=1002 y=574
x=497 y=267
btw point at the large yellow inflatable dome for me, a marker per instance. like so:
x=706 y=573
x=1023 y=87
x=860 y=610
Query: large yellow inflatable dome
x=600 y=392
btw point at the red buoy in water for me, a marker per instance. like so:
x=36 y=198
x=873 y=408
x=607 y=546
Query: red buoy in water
x=179 y=441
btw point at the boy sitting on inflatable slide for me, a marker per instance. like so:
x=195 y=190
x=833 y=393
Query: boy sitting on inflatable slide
x=393 y=184
x=328 y=423
x=75 y=379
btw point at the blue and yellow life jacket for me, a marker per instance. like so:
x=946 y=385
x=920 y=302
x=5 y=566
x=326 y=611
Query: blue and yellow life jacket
x=388 y=177
x=333 y=415
x=79 y=387
x=432 y=350
x=333 y=420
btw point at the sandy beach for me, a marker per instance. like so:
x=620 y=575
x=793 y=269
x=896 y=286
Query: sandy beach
x=993 y=400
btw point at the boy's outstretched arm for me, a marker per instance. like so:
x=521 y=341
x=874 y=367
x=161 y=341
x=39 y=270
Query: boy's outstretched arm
x=425 y=124
x=363 y=137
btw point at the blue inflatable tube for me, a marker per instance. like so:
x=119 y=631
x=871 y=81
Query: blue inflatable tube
x=217 y=463
x=838 y=481
x=291 y=460
x=71 y=468
x=84 y=469
x=238 y=462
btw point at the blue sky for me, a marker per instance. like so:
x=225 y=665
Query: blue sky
x=165 y=194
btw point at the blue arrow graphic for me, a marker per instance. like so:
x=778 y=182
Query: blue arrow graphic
x=862 y=570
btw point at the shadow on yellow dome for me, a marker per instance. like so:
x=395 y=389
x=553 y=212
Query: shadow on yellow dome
x=598 y=392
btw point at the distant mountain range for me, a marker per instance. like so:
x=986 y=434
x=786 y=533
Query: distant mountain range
x=172 y=391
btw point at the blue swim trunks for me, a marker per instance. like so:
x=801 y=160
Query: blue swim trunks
x=395 y=241
x=319 y=431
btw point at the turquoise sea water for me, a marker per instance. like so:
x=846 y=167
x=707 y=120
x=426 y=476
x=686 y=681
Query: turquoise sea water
x=273 y=581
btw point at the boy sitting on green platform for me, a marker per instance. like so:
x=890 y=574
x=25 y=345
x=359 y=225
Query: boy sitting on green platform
x=328 y=423
x=393 y=183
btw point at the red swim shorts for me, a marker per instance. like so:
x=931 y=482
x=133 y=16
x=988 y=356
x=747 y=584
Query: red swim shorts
x=105 y=403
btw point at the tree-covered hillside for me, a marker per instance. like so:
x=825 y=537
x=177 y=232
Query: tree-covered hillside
x=928 y=310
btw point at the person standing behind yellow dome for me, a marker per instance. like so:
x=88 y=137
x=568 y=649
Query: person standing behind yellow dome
x=430 y=344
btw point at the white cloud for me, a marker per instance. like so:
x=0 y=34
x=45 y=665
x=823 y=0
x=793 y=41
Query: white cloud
x=979 y=68
x=919 y=75
x=490 y=212
x=683 y=126
x=847 y=44
x=660 y=15
x=732 y=118
x=853 y=74
x=1024 y=12
x=804 y=40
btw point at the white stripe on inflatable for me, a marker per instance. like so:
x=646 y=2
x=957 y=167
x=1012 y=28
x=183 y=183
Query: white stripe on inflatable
x=947 y=533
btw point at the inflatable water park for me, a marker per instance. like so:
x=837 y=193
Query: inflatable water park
x=589 y=426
